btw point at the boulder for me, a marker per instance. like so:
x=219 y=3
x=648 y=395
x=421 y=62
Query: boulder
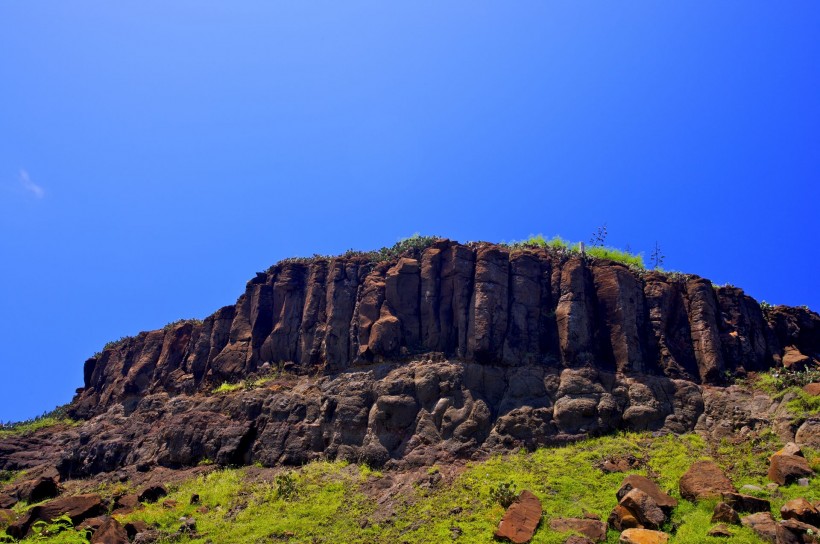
x=721 y=531
x=7 y=501
x=152 y=493
x=746 y=503
x=801 y=510
x=790 y=449
x=704 y=480
x=595 y=530
x=126 y=504
x=621 y=518
x=634 y=481
x=644 y=508
x=110 y=532
x=133 y=528
x=793 y=359
x=786 y=469
x=791 y=531
x=77 y=507
x=38 y=489
x=521 y=519
x=724 y=513
x=812 y=388
x=643 y=536
x=762 y=524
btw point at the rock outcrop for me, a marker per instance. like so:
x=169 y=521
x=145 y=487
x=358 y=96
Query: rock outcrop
x=447 y=351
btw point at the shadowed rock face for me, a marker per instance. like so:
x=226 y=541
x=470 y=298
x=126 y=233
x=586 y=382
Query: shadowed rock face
x=448 y=351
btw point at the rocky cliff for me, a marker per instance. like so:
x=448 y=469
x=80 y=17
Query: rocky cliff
x=447 y=350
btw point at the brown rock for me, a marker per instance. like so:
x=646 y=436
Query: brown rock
x=92 y=523
x=595 y=530
x=38 y=489
x=793 y=359
x=801 y=510
x=704 y=480
x=791 y=531
x=152 y=493
x=77 y=507
x=575 y=539
x=133 y=528
x=643 y=536
x=7 y=501
x=721 y=531
x=621 y=518
x=762 y=524
x=786 y=469
x=644 y=508
x=812 y=388
x=746 y=503
x=634 y=481
x=725 y=514
x=170 y=504
x=110 y=532
x=521 y=519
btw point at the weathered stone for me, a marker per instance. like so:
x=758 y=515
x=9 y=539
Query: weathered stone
x=644 y=508
x=794 y=360
x=746 y=503
x=133 y=528
x=521 y=519
x=643 y=536
x=801 y=510
x=595 y=530
x=785 y=469
x=762 y=524
x=77 y=507
x=635 y=481
x=720 y=531
x=38 y=489
x=812 y=388
x=704 y=480
x=7 y=517
x=621 y=518
x=7 y=501
x=110 y=532
x=724 y=513
x=575 y=539
x=152 y=493
x=792 y=531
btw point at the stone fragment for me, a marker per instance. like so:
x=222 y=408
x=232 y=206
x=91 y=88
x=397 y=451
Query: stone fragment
x=801 y=510
x=746 y=503
x=595 y=530
x=110 y=532
x=793 y=359
x=575 y=539
x=762 y=524
x=38 y=489
x=791 y=531
x=643 y=536
x=77 y=507
x=133 y=528
x=786 y=469
x=521 y=519
x=644 y=508
x=7 y=501
x=152 y=493
x=7 y=517
x=721 y=531
x=812 y=388
x=621 y=518
x=634 y=481
x=724 y=513
x=704 y=480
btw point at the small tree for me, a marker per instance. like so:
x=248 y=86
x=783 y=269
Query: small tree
x=657 y=257
x=599 y=236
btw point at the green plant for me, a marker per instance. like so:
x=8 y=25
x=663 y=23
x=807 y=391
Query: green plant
x=657 y=257
x=226 y=387
x=178 y=322
x=286 y=486
x=58 y=416
x=503 y=493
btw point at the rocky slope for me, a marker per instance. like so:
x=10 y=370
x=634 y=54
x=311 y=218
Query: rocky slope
x=447 y=351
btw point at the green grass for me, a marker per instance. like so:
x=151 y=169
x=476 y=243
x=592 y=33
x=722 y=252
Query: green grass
x=616 y=255
x=595 y=252
x=781 y=383
x=49 y=419
x=228 y=388
x=330 y=504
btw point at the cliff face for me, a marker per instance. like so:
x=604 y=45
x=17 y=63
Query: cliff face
x=449 y=351
x=482 y=303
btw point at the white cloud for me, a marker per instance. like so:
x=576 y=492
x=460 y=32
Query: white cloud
x=30 y=186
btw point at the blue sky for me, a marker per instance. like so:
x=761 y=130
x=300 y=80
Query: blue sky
x=155 y=154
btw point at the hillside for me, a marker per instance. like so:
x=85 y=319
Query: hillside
x=396 y=379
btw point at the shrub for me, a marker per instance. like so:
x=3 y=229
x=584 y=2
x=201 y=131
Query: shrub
x=503 y=493
x=616 y=255
x=286 y=486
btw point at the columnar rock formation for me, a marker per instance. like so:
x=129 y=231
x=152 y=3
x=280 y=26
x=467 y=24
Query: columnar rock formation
x=479 y=303
x=449 y=350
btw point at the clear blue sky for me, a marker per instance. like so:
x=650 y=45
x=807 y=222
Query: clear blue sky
x=155 y=154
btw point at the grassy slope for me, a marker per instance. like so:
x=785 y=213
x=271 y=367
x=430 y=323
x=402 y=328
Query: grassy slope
x=332 y=507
